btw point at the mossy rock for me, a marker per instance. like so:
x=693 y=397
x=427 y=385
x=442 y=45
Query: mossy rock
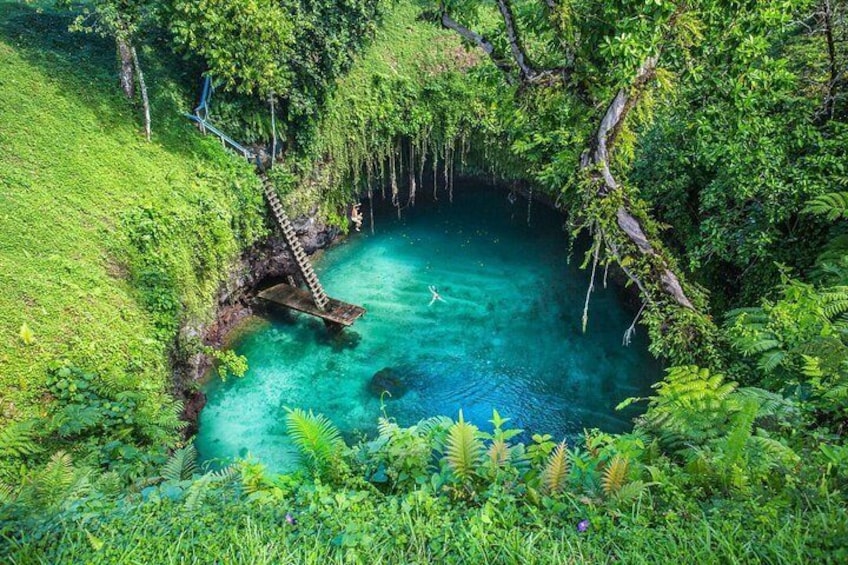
x=391 y=380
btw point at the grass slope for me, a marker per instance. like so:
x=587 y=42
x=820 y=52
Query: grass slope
x=76 y=176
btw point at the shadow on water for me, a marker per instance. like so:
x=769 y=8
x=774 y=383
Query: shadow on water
x=506 y=336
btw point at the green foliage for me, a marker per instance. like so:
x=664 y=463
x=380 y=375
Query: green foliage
x=318 y=440
x=833 y=206
x=77 y=182
x=463 y=449
x=798 y=344
x=555 y=472
x=246 y=44
x=229 y=362
x=705 y=512
x=182 y=465
x=691 y=405
x=16 y=440
x=291 y=49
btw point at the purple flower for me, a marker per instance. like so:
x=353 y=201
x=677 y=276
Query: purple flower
x=582 y=525
x=290 y=520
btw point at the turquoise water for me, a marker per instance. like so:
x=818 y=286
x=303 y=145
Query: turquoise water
x=506 y=335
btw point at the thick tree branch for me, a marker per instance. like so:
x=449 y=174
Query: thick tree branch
x=833 y=66
x=481 y=42
x=527 y=72
x=597 y=157
x=126 y=75
x=145 y=101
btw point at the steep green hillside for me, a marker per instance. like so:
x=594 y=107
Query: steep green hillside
x=107 y=241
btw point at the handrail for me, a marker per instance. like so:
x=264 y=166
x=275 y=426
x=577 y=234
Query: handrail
x=226 y=139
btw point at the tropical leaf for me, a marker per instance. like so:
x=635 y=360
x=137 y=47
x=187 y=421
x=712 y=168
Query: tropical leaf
x=182 y=465
x=7 y=494
x=615 y=475
x=770 y=360
x=833 y=205
x=463 y=448
x=498 y=453
x=630 y=492
x=53 y=482
x=770 y=404
x=555 y=472
x=316 y=438
x=16 y=440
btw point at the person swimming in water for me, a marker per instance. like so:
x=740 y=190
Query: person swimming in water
x=436 y=295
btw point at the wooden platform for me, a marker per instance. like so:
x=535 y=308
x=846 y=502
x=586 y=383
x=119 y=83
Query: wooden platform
x=337 y=312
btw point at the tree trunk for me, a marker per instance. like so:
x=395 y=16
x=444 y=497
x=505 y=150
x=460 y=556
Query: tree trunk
x=127 y=76
x=598 y=158
x=145 y=102
x=833 y=66
x=273 y=131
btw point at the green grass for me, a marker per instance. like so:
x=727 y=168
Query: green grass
x=74 y=173
x=341 y=526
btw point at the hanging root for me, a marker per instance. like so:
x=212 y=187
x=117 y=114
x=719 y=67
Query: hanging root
x=591 y=282
x=629 y=332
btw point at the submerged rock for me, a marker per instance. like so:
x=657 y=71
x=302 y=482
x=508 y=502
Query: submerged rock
x=390 y=380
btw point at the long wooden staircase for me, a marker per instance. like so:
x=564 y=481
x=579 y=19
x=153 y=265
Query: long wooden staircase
x=335 y=313
x=315 y=302
x=304 y=266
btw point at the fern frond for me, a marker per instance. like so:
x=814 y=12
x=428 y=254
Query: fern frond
x=16 y=440
x=770 y=360
x=315 y=436
x=615 y=475
x=53 y=481
x=630 y=492
x=196 y=493
x=7 y=494
x=774 y=449
x=834 y=301
x=182 y=464
x=555 y=472
x=433 y=426
x=498 y=453
x=463 y=448
x=770 y=404
x=735 y=442
x=833 y=205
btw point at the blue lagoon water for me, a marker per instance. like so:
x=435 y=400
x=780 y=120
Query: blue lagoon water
x=507 y=334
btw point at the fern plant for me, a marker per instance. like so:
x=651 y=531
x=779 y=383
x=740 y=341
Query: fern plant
x=317 y=439
x=615 y=475
x=833 y=206
x=555 y=472
x=692 y=405
x=18 y=440
x=463 y=449
x=182 y=465
x=798 y=343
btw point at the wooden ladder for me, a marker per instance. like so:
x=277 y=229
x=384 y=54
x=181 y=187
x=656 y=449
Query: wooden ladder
x=303 y=264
